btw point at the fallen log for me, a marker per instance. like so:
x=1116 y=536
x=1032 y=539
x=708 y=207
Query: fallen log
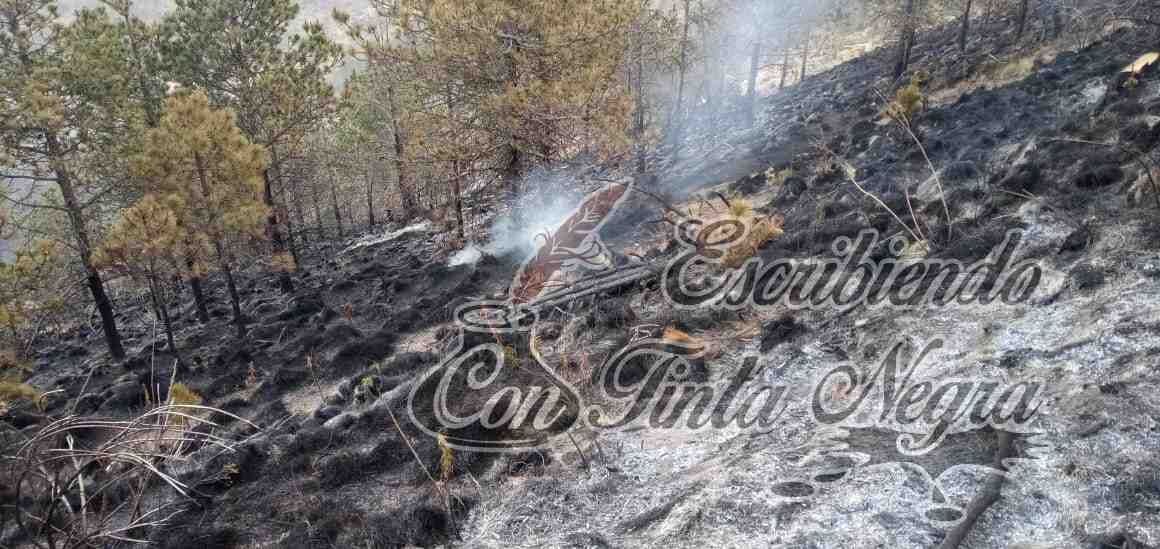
x=594 y=285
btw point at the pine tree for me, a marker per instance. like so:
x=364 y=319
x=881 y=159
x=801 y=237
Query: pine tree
x=198 y=158
x=523 y=82
x=148 y=244
x=66 y=101
x=240 y=54
x=22 y=295
x=904 y=17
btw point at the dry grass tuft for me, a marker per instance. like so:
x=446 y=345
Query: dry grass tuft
x=1014 y=70
x=995 y=73
x=759 y=229
x=105 y=495
x=181 y=395
x=907 y=102
x=446 y=458
x=510 y=356
x=740 y=207
x=283 y=263
x=760 y=232
x=12 y=392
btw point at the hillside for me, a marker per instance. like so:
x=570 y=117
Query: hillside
x=330 y=422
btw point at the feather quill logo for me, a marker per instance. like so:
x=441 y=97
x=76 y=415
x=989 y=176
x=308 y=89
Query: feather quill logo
x=495 y=392
x=575 y=245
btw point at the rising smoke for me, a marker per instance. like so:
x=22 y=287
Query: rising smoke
x=547 y=202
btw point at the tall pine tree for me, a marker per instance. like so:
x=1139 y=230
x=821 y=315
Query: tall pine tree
x=199 y=157
x=66 y=101
x=242 y=55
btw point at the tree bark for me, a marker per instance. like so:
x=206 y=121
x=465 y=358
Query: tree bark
x=84 y=247
x=1022 y=21
x=406 y=197
x=456 y=187
x=709 y=61
x=679 y=109
x=370 y=181
x=337 y=212
x=162 y=311
x=198 y=296
x=296 y=194
x=223 y=259
x=1057 y=21
x=906 y=40
x=317 y=207
x=284 y=214
x=805 y=55
x=751 y=87
x=272 y=224
x=638 y=115
x=232 y=287
x=283 y=209
x=784 y=69
x=965 y=29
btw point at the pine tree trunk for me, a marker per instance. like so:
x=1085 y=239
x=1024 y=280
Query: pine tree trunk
x=1022 y=21
x=160 y=308
x=965 y=29
x=1057 y=21
x=84 y=247
x=406 y=197
x=751 y=86
x=638 y=116
x=198 y=296
x=707 y=85
x=105 y=310
x=318 y=224
x=284 y=213
x=296 y=195
x=456 y=181
x=679 y=110
x=513 y=164
x=456 y=187
x=337 y=212
x=370 y=180
x=906 y=40
x=282 y=205
x=784 y=69
x=232 y=287
x=280 y=246
x=805 y=56
x=224 y=262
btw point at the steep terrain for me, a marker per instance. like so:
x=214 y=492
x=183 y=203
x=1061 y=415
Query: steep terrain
x=1014 y=134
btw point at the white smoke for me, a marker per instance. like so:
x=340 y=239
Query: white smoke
x=376 y=239
x=467 y=256
x=547 y=203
